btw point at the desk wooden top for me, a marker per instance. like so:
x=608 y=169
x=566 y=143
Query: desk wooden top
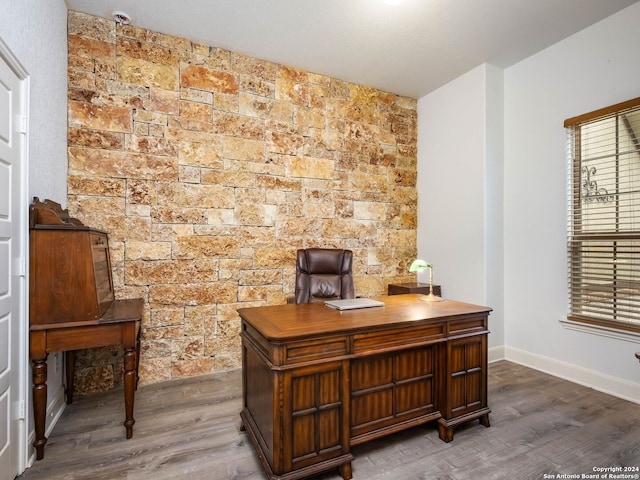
x=285 y=322
x=120 y=311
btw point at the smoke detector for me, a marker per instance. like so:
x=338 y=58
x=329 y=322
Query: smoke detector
x=121 y=17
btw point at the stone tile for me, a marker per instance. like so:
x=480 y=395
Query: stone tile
x=119 y=164
x=192 y=367
x=203 y=78
x=163 y=101
x=92 y=27
x=310 y=167
x=225 y=123
x=168 y=271
x=150 y=52
x=242 y=148
x=206 y=246
x=100 y=117
x=144 y=72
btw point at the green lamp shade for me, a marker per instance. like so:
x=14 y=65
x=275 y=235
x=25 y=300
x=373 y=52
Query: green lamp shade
x=419 y=265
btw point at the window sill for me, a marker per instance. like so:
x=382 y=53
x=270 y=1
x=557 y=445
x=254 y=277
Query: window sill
x=601 y=330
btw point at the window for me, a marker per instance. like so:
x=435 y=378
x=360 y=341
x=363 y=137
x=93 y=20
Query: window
x=604 y=217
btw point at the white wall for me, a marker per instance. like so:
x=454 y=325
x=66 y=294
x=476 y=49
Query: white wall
x=36 y=33
x=460 y=190
x=592 y=69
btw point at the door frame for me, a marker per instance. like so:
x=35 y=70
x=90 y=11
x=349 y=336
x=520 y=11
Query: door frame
x=20 y=259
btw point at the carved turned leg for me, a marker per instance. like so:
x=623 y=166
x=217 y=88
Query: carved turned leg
x=130 y=377
x=70 y=367
x=138 y=357
x=39 y=373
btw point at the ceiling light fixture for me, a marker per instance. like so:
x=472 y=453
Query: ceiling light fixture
x=121 y=17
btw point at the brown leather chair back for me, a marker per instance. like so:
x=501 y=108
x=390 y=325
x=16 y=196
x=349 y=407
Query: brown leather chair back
x=323 y=274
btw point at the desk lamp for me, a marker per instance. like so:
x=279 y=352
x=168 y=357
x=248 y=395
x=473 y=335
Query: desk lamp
x=418 y=265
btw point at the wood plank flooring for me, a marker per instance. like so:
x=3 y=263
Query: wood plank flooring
x=189 y=429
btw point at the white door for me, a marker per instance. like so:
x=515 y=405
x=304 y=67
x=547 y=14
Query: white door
x=12 y=265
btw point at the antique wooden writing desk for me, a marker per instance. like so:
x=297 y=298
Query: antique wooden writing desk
x=72 y=305
x=317 y=381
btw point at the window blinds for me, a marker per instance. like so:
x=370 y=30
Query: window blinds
x=604 y=216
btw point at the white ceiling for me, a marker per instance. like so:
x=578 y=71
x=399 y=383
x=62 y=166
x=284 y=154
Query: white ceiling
x=409 y=49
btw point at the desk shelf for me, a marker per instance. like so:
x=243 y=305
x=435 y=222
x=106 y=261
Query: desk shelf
x=412 y=287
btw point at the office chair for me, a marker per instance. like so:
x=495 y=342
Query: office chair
x=323 y=274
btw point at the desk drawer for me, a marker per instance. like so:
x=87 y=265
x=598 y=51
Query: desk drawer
x=309 y=350
x=468 y=326
x=387 y=339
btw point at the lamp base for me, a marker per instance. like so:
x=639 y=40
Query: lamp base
x=432 y=298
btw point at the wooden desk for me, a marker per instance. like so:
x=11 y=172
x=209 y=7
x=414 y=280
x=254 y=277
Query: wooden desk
x=317 y=381
x=72 y=305
x=120 y=325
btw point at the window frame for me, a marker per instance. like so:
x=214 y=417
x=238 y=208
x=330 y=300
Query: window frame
x=577 y=240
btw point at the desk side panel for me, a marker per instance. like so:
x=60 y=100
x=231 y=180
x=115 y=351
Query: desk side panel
x=466 y=375
x=259 y=388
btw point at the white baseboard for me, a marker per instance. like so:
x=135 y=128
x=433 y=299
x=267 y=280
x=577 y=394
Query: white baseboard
x=496 y=353
x=604 y=383
x=54 y=411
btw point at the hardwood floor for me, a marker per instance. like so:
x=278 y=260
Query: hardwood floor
x=189 y=428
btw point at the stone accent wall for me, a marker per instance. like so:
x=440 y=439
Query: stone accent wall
x=209 y=168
